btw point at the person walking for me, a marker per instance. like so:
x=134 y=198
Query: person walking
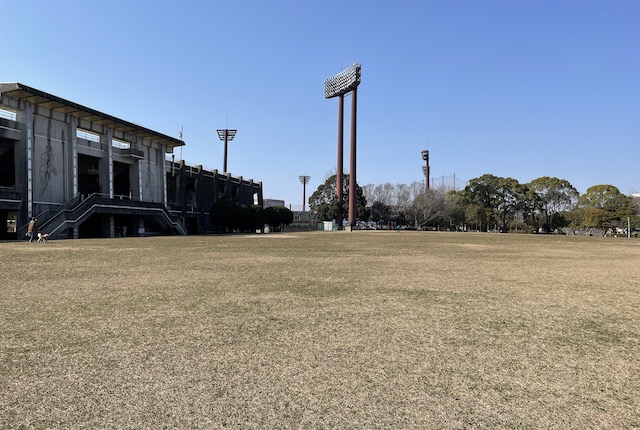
x=32 y=228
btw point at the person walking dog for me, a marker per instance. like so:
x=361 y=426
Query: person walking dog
x=32 y=228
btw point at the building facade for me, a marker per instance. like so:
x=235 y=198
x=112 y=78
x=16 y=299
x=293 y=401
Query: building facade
x=83 y=173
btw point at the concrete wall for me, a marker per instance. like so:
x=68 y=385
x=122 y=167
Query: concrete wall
x=50 y=137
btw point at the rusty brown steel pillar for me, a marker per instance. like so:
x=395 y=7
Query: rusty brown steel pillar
x=340 y=167
x=352 y=170
x=426 y=169
x=427 y=173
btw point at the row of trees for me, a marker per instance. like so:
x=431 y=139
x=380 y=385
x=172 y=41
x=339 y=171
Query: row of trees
x=229 y=216
x=543 y=204
x=488 y=202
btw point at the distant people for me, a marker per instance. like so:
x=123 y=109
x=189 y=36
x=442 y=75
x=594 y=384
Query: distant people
x=124 y=231
x=32 y=228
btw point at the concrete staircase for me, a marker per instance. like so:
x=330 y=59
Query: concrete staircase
x=73 y=213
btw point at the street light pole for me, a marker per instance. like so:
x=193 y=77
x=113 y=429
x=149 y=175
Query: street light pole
x=304 y=180
x=226 y=136
x=426 y=168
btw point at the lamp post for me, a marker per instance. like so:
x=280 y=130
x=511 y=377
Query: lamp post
x=426 y=168
x=304 y=180
x=226 y=135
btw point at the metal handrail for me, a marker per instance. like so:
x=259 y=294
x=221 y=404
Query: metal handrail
x=87 y=200
x=42 y=215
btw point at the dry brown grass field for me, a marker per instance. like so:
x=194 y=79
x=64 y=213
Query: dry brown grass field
x=321 y=330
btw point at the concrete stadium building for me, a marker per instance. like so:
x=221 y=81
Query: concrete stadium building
x=84 y=173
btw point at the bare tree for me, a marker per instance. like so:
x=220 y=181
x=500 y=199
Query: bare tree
x=428 y=206
x=386 y=193
x=406 y=198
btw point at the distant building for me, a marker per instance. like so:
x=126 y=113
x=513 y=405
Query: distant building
x=272 y=202
x=84 y=173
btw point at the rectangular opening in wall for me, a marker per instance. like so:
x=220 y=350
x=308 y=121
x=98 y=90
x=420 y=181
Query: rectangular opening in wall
x=120 y=144
x=222 y=191
x=7 y=164
x=8 y=114
x=12 y=219
x=87 y=135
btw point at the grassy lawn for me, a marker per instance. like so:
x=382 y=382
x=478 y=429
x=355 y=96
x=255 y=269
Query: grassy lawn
x=321 y=330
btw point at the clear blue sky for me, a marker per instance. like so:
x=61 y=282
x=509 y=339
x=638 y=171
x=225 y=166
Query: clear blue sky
x=518 y=88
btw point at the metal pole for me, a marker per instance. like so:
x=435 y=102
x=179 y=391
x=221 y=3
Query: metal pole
x=340 y=167
x=226 y=135
x=352 y=169
x=427 y=170
x=628 y=227
x=304 y=179
x=427 y=175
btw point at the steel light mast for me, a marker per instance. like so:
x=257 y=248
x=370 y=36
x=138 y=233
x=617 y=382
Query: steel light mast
x=304 y=180
x=345 y=82
x=226 y=136
x=426 y=168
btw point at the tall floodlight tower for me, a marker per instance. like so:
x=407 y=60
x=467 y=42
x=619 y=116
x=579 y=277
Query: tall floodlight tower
x=304 y=180
x=426 y=168
x=226 y=136
x=343 y=83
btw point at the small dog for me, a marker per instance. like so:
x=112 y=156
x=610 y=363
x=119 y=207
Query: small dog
x=43 y=237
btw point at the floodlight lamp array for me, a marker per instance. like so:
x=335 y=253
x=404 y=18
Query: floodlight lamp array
x=342 y=83
x=230 y=134
x=425 y=155
x=304 y=179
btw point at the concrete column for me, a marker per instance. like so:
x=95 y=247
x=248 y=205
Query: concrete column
x=140 y=179
x=228 y=187
x=71 y=186
x=28 y=120
x=107 y=163
x=141 y=228
x=112 y=227
x=241 y=194
x=182 y=190
x=163 y=168
x=215 y=185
